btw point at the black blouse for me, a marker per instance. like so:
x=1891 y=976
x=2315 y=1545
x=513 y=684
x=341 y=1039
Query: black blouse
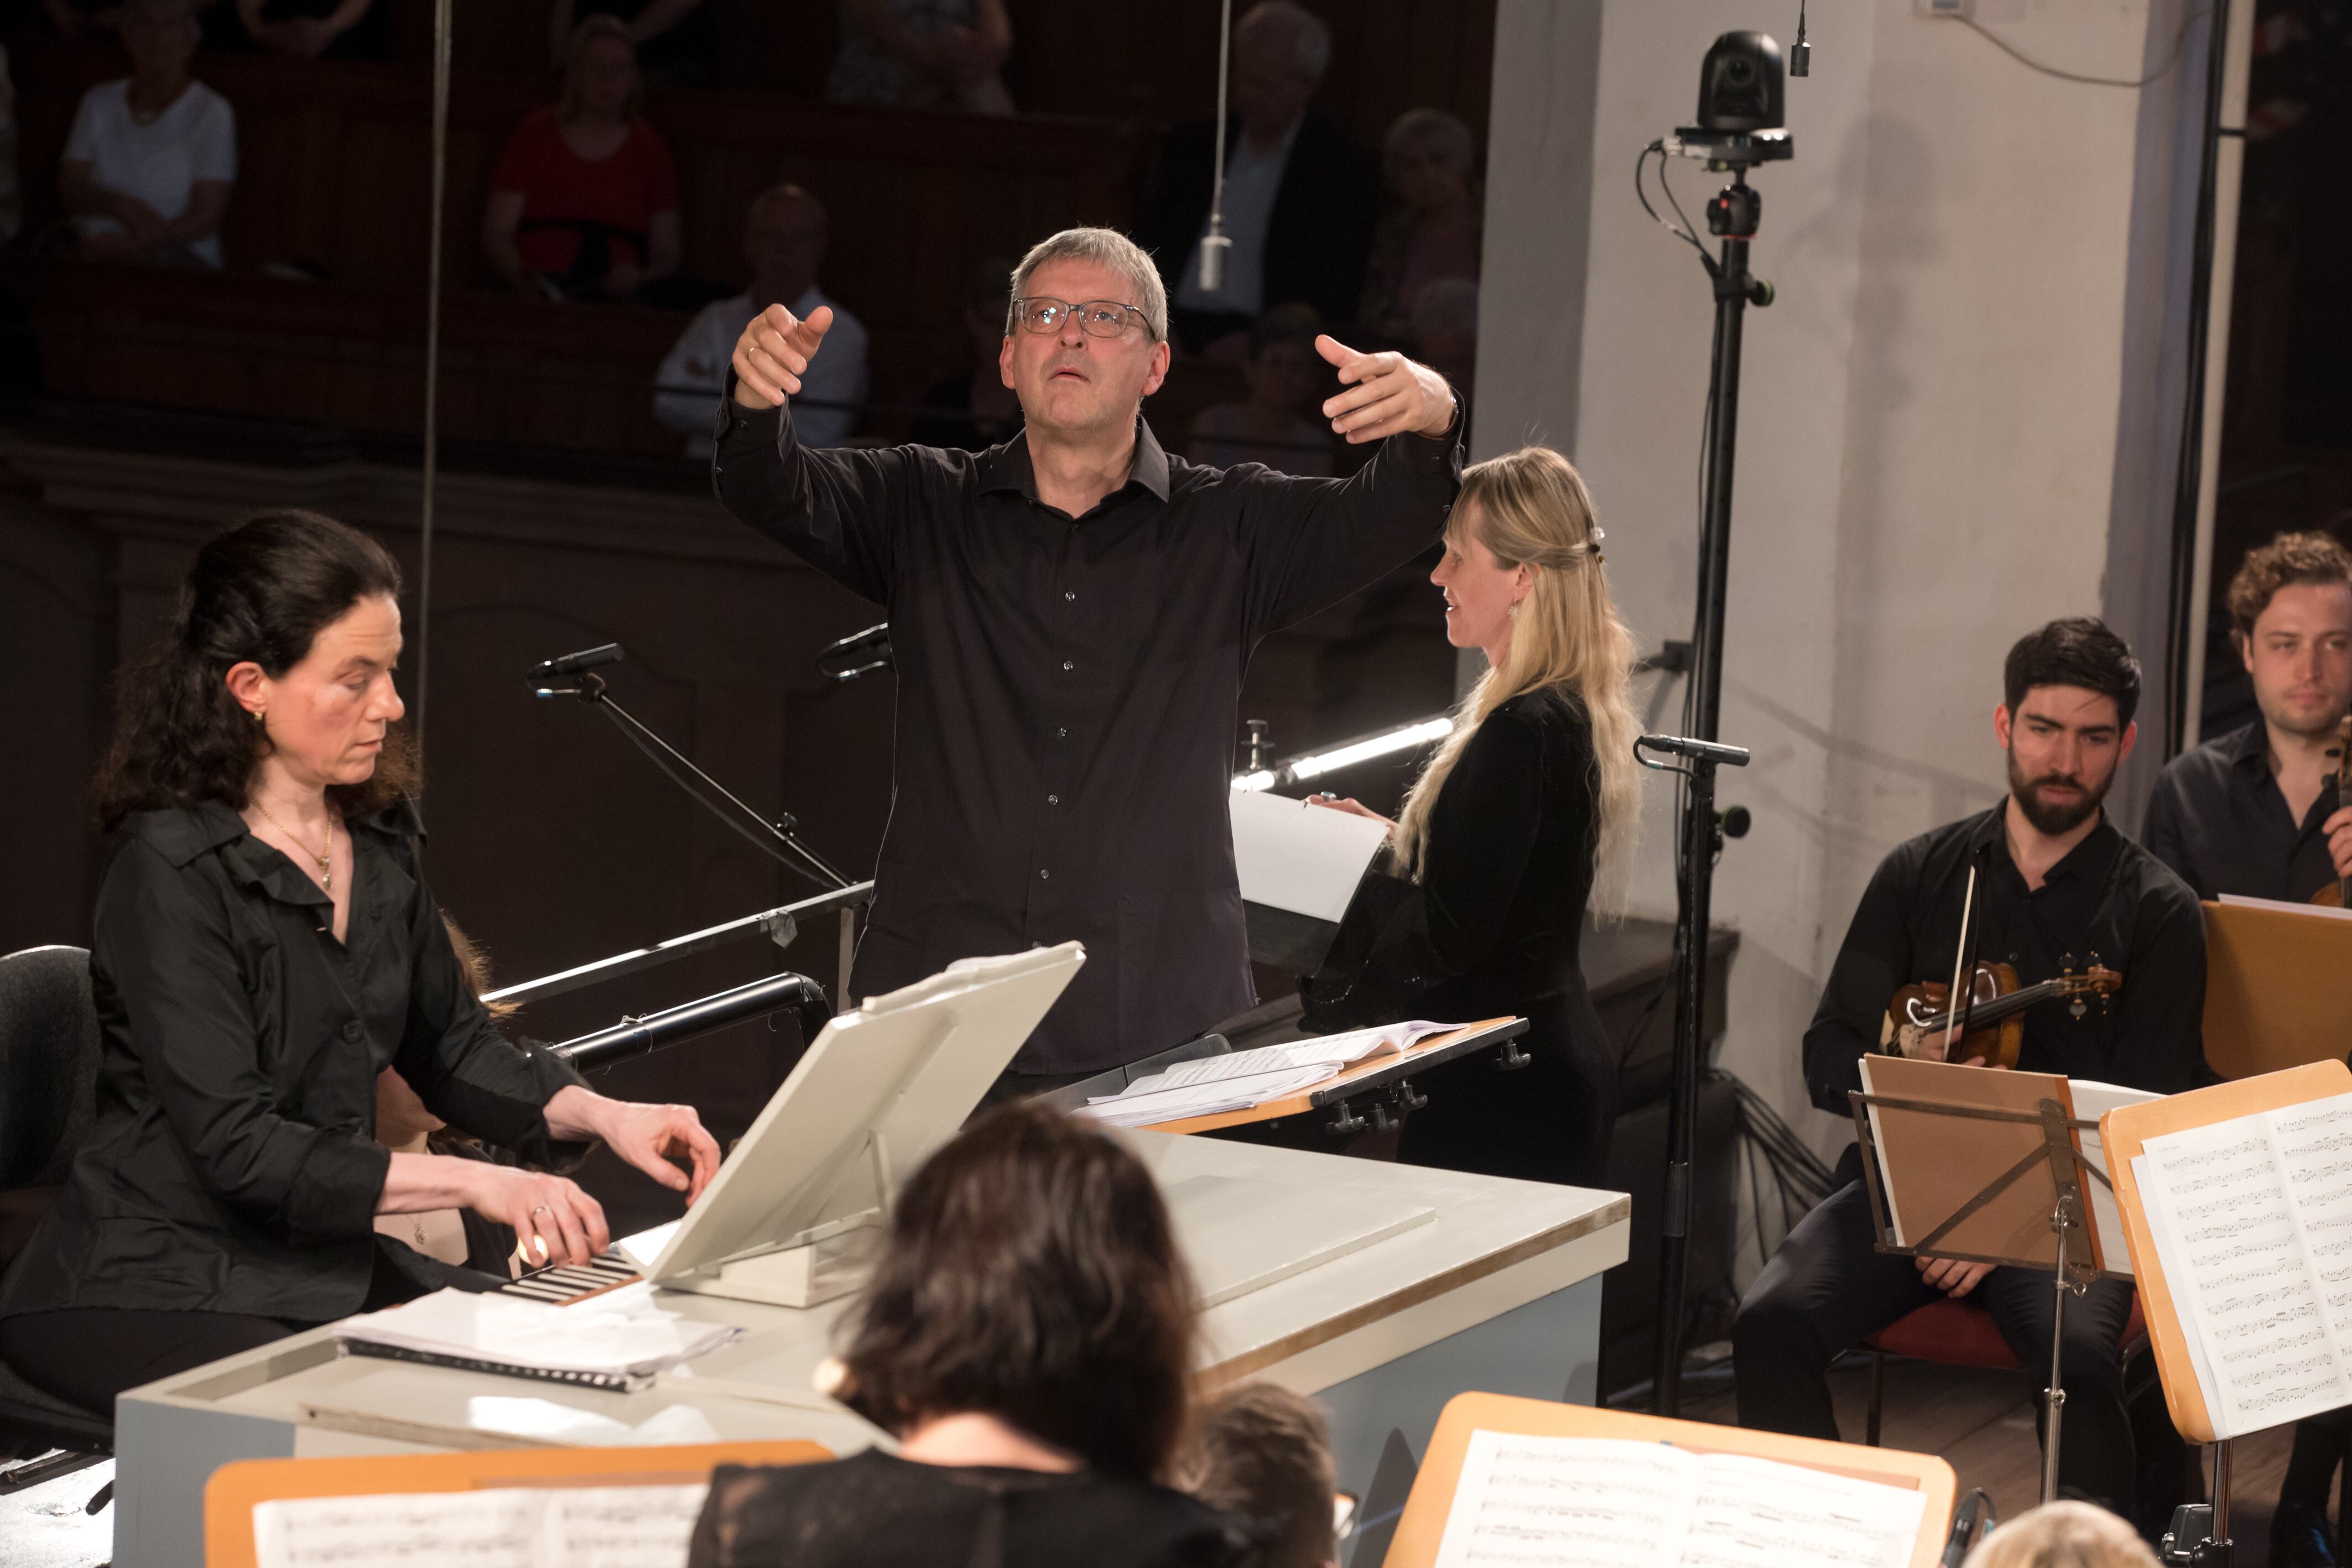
x=233 y=1165
x=1497 y=920
x=877 y=1511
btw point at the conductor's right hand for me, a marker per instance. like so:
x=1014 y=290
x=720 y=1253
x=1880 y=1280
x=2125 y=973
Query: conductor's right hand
x=774 y=355
x=553 y=1221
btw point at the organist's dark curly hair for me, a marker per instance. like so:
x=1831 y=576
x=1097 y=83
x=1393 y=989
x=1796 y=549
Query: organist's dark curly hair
x=1032 y=1274
x=262 y=591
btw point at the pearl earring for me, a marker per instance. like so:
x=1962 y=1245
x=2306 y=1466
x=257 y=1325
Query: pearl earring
x=1513 y=613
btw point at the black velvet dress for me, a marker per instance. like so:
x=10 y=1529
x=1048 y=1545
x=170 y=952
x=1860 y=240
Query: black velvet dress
x=1491 y=929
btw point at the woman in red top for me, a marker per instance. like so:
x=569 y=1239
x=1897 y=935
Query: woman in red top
x=584 y=204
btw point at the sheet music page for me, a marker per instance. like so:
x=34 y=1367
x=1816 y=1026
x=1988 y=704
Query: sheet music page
x=1323 y=1051
x=2313 y=1143
x=512 y=1527
x=1760 y=1513
x=2093 y=1101
x=2244 y=1282
x=1597 y=1502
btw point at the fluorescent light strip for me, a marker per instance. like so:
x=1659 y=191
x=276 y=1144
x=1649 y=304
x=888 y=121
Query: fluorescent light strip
x=1315 y=764
x=1261 y=780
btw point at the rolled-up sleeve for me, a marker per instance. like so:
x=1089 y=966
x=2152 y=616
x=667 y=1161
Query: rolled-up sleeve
x=164 y=943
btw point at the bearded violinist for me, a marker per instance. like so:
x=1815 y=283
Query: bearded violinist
x=2056 y=882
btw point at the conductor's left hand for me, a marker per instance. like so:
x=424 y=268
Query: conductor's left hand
x=774 y=355
x=1387 y=394
x=654 y=1138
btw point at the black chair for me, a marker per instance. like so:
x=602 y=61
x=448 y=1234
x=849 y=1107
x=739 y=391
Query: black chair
x=48 y=1096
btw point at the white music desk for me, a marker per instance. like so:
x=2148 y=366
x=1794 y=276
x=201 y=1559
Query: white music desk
x=1499 y=1292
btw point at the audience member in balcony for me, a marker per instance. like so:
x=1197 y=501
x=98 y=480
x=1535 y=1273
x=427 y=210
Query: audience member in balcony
x=676 y=44
x=1300 y=198
x=974 y=410
x=923 y=54
x=1270 y=426
x=150 y=160
x=584 y=202
x=784 y=237
x=1446 y=330
x=1430 y=230
x=303 y=29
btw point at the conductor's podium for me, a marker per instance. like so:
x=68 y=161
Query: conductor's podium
x=1450 y=1282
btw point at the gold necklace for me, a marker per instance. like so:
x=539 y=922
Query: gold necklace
x=326 y=862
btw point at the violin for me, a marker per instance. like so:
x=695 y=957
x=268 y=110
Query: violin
x=2337 y=894
x=1919 y=1019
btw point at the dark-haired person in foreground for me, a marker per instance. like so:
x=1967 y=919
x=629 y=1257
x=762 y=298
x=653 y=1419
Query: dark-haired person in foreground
x=1028 y=1337
x=2057 y=881
x=265 y=948
x=2257 y=813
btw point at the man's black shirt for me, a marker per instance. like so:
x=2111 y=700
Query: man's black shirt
x=1069 y=691
x=2219 y=819
x=2109 y=898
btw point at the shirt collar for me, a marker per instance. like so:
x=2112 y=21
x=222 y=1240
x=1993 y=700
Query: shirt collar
x=2090 y=859
x=1007 y=467
x=2248 y=748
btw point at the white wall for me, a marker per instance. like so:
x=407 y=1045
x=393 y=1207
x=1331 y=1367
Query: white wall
x=1929 y=425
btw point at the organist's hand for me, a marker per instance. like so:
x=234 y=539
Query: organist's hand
x=1951 y=1276
x=654 y=1138
x=553 y=1221
x=774 y=355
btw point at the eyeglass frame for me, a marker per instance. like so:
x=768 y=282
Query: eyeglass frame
x=1143 y=318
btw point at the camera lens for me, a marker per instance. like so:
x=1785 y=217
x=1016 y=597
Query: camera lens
x=1739 y=69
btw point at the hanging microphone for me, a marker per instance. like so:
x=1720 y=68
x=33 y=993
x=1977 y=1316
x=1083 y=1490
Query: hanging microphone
x=573 y=663
x=1801 y=57
x=1964 y=1527
x=1214 y=246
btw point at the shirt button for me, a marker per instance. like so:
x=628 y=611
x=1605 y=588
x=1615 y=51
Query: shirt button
x=1069 y=594
x=1045 y=875
x=352 y=1031
x=1053 y=800
x=1066 y=665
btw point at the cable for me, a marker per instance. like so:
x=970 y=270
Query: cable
x=2179 y=42
x=1642 y=195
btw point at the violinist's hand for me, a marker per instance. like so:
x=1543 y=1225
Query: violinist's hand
x=1951 y=1276
x=774 y=355
x=1353 y=809
x=2338 y=829
x=1387 y=394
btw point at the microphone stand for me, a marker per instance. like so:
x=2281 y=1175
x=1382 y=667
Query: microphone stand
x=590 y=688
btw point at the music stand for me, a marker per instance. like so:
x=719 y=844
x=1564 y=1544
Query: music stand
x=2048 y=1172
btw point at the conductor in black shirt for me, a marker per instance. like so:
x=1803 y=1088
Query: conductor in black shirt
x=1502 y=835
x=2056 y=882
x=1071 y=614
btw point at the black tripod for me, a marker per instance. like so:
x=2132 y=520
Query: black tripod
x=1732 y=217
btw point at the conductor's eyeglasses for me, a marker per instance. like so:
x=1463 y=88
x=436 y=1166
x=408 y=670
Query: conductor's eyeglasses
x=1096 y=318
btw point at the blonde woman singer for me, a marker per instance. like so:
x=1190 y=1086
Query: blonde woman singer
x=1533 y=795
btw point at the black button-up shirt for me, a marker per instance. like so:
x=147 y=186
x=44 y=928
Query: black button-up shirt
x=2109 y=898
x=233 y=1165
x=1068 y=693
x=2217 y=819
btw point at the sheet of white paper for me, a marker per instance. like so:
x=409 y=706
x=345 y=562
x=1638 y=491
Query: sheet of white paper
x=511 y=1527
x=1879 y=1143
x=1328 y=1049
x=2176 y=1269
x=1595 y=1502
x=1206 y=1099
x=2313 y=1143
x=1306 y=858
x=1748 y=1512
x=2093 y=1101
x=2245 y=1281
x=2320 y=911
x=621 y=1333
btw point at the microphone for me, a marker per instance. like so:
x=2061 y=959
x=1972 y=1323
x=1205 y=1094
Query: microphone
x=1696 y=751
x=797 y=994
x=1215 y=247
x=575 y=663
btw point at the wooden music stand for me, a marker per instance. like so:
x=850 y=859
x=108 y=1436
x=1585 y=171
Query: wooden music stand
x=2273 y=995
x=1380 y=1072
x=2125 y=1133
x=234 y=1488
x=1422 y=1526
x=2046 y=1176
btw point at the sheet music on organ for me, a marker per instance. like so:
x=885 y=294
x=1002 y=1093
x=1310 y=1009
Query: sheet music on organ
x=1609 y=1502
x=507 y=1527
x=2251 y=1219
x=1240 y=1080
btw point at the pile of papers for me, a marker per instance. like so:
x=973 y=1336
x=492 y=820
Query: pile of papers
x=505 y=1527
x=618 y=1337
x=1244 y=1079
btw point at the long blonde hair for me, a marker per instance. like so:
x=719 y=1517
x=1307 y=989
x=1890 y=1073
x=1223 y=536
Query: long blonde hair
x=1530 y=508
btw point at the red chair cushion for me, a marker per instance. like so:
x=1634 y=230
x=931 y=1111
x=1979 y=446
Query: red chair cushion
x=1961 y=1334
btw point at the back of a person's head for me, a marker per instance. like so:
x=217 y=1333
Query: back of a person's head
x=1032 y=1274
x=2062 y=1535
x=1261 y=1451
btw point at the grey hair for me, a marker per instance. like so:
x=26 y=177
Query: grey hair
x=1103 y=247
x=1435 y=131
x=1309 y=34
